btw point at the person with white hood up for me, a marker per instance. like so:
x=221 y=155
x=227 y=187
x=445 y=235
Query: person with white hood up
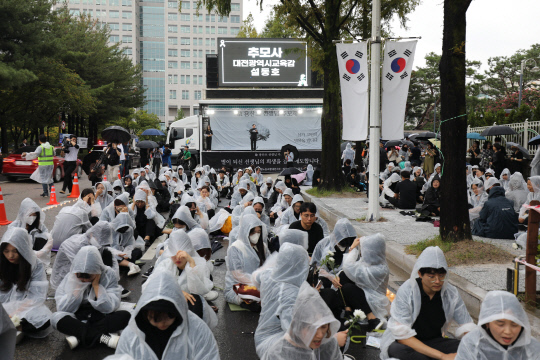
x=267 y=189
x=533 y=185
x=71 y=220
x=87 y=302
x=23 y=285
x=477 y=199
x=283 y=201
x=198 y=213
x=503 y=332
x=127 y=249
x=292 y=214
x=148 y=222
x=309 y=175
x=423 y=309
x=348 y=153
x=504 y=179
x=238 y=194
x=87 y=203
x=45 y=155
x=162 y=327
x=244 y=256
x=517 y=191
x=311 y=335
x=120 y=203
x=258 y=206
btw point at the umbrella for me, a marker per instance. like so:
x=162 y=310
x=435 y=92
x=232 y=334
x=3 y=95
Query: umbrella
x=426 y=136
x=435 y=142
x=153 y=132
x=475 y=136
x=535 y=140
x=521 y=148
x=90 y=160
x=147 y=144
x=392 y=143
x=407 y=142
x=116 y=134
x=292 y=149
x=498 y=130
x=290 y=171
x=133 y=136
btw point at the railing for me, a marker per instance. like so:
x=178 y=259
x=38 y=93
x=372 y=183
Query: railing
x=525 y=131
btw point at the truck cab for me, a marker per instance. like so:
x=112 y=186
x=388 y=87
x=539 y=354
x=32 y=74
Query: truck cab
x=181 y=133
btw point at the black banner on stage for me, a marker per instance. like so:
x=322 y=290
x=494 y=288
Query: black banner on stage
x=268 y=161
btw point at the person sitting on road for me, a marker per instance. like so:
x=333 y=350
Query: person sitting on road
x=162 y=327
x=117 y=206
x=418 y=178
x=477 y=199
x=503 y=331
x=201 y=244
x=389 y=186
x=517 y=191
x=223 y=184
x=505 y=178
x=292 y=214
x=148 y=222
x=356 y=181
x=161 y=195
x=101 y=196
x=205 y=201
x=198 y=214
x=292 y=184
x=87 y=203
x=267 y=189
x=307 y=223
x=128 y=251
x=238 y=194
x=424 y=307
x=87 y=302
x=432 y=199
x=71 y=220
x=533 y=185
x=497 y=220
x=128 y=185
x=238 y=211
x=23 y=285
x=118 y=188
x=283 y=201
x=258 y=206
x=404 y=193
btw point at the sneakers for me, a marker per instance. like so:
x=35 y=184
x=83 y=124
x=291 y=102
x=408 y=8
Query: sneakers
x=19 y=338
x=133 y=269
x=374 y=324
x=211 y=295
x=44 y=195
x=148 y=273
x=62 y=192
x=110 y=340
x=125 y=293
x=72 y=341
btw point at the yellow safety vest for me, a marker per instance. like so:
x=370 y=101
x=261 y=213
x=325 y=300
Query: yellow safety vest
x=46 y=157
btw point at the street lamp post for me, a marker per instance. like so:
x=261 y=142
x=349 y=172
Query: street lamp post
x=535 y=68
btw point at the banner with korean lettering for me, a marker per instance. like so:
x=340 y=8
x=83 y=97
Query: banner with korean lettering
x=354 y=79
x=396 y=76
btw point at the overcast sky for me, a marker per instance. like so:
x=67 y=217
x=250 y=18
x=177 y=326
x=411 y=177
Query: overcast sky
x=494 y=27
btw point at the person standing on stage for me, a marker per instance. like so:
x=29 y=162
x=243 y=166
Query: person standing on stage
x=289 y=156
x=253 y=132
x=208 y=134
x=71 y=149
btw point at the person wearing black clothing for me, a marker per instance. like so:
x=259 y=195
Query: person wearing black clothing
x=253 y=133
x=346 y=167
x=432 y=201
x=308 y=215
x=113 y=160
x=356 y=181
x=162 y=195
x=71 y=150
x=383 y=159
x=24 y=143
x=96 y=175
x=145 y=227
x=292 y=184
x=498 y=160
x=316 y=176
x=416 y=153
x=405 y=193
x=208 y=135
x=144 y=157
x=516 y=159
x=474 y=152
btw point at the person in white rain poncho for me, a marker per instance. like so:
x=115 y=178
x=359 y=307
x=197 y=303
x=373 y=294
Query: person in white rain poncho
x=191 y=273
x=128 y=249
x=238 y=194
x=280 y=204
x=8 y=335
x=348 y=153
x=503 y=332
x=369 y=271
x=297 y=237
x=533 y=185
x=504 y=179
x=279 y=288
x=87 y=203
x=233 y=235
x=424 y=307
x=163 y=328
x=45 y=155
x=244 y=256
x=292 y=214
x=309 y=175
x=102 y=196
x=120 y=203
x=436 y=172
x=198 y=213
x=258 y=206
x=311 y=335
x=535 y=164
x=238 y=210
x=87 y=301
x=517 y=191
x=100 y=235
x=201 y=244
x=267 y=189
x=23 y=285
x=477 y=199
x=389 y=186
x=387 y=172
x=71 y=220
x=32 y=219
x=206 y=201
x=470 y=176
x=148 y=222
x=118 y=188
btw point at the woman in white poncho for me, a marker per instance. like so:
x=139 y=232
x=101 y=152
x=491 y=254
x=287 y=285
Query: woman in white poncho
x=348 y=153
x=23 y=285
x=128 y=250
x=162 y=327
x=477 y=199
x=115 y=207
x=87 y=302
x=309 y=175
x=292 y=214
x=102 y=196
x=504 y=179
x=71 y=220
x=503 y=332
x=259 y=207
x=517 y=191
x=311 y=335
x=533 y=185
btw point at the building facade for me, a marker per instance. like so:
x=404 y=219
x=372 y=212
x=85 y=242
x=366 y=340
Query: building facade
x=170 y=39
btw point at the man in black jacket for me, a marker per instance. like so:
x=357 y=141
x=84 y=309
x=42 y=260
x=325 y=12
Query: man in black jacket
x=405 y=193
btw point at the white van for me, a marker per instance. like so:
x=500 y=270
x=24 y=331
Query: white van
x=181 y=133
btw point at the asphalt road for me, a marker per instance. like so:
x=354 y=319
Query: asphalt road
x=233 y=333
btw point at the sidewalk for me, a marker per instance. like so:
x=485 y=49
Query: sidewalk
x=473 y=281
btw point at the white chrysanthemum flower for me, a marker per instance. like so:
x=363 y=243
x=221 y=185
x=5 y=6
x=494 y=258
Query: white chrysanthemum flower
x=330 y=253
x=16 y=320
x=331 y=259
x=515 y=246
x=359 y=314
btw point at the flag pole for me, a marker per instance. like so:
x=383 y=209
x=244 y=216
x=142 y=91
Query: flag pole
x=375 y=113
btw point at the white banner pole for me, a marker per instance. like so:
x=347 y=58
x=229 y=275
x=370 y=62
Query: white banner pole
x=375 y=113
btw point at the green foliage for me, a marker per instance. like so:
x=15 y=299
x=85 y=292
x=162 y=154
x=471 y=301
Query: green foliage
x=248 y=30
x=179 y=115
x=416 y=249
x=138 y=121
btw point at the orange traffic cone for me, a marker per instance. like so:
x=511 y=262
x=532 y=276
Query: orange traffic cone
x=119 y=176
x=3 y=217
x=75 y=192
x=53 y=201
x=104 y=177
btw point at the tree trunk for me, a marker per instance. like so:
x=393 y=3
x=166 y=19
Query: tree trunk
x=455 y=224
x=4 y=134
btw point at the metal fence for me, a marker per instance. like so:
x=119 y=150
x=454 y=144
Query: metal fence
x=525 y=131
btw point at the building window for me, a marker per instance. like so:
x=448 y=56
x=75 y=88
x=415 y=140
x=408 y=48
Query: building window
x=173 y=53
x=114 y=26
x=126 y=3
x=173 y=28
x=172 y=94
x=127 y=27
x=235 y=19
x=197 y=95
x=173 y=79
x=125 y=14
x=74 y=12
x=185 y=53
x=88 y=2
x=186 y=5
x=114 y=38
x=208 y=29
x=185 y=65
x=128 y=51
x=195 y=111
x=235 y=31
x=172 y=4
x=185 y=29
x=173 y=64
x=113 y=2
x=185 y=41
x=222 y=30
x=199 y=17
x=235 y=7
x=207 y=40
x=172 y=16
x=185 y=94
x=184 y=17
x=127 y=39
x=223 y=19
x=173 y=41
x=185 y=79
x=114 y=14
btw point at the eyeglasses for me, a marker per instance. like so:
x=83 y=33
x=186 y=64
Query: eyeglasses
x=434 y=277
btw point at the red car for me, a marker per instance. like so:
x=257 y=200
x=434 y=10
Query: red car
x=16 y=167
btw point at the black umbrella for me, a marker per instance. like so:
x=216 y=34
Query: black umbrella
x=116 y=134
x=393 y=143
x=426 y=136
x=498 y=130
x=407 y=142
x=90 y=159
x=292 y=149
x=147 y=144
x=521 y=148
x=290 y=171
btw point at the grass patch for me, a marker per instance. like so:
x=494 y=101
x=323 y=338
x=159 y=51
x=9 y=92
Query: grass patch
x=345 y=192
x=360 y=219
x=464 y=252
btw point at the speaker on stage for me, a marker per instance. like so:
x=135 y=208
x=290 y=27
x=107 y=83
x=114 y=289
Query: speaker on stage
x=212 y=80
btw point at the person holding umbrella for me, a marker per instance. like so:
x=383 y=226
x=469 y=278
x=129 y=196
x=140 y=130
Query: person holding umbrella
x=113 y=159
x=289 y=156
x=516 y=159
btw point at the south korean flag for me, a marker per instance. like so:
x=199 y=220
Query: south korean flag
x=396 y=76
x=353 y=76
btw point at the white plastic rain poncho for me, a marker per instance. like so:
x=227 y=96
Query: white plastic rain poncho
x=117 y=183
x=239 y=209
x=279 y=288
x=150 y=212
x=124 y=242
x=233 y=235
x=310 y=312
x=72 y=292
x=184 y=215
x=265 y=191
x=236 y=198
x=517 y=191
x=71 y=220
x=470 y=176
x=30 y=303
x=407 y=167
x=93 y=210
x=427 y=185
x=109 y=213
x=218 y=220
x=370 y=272
x=202 y=221
x=504 y=183
x=309 y=175
x=348 y=153
x=407 y=304
x=44 y=173
x=242 y=260
x=324 y=225
x=478 y=344
x=27 y=208
x=387 y=172
x=535 y=195
x=8 y=335
x=288 y=217
x=199 y=239
x=297 y=237
x=477 y=201
x=264 y=218
x=104 y=199
x=100 y=235
x=535 y=164
x=191 y=340
x=394 y=178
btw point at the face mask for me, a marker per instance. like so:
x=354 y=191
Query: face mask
x=260 y=211
x=254 y=238
x=341 y=247
x=193 y=212
x=117 y=192
x=30 y=220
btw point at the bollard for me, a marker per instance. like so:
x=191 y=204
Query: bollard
x=531 y=250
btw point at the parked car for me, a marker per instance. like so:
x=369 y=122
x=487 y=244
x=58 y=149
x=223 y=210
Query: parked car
x=14 y=166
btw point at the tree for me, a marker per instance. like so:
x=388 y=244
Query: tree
x=455 y=223
x=179 y=115
x=138 y=121
x=276 y=28
x=248 y=30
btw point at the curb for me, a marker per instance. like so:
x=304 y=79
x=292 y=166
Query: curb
x=471 y=294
